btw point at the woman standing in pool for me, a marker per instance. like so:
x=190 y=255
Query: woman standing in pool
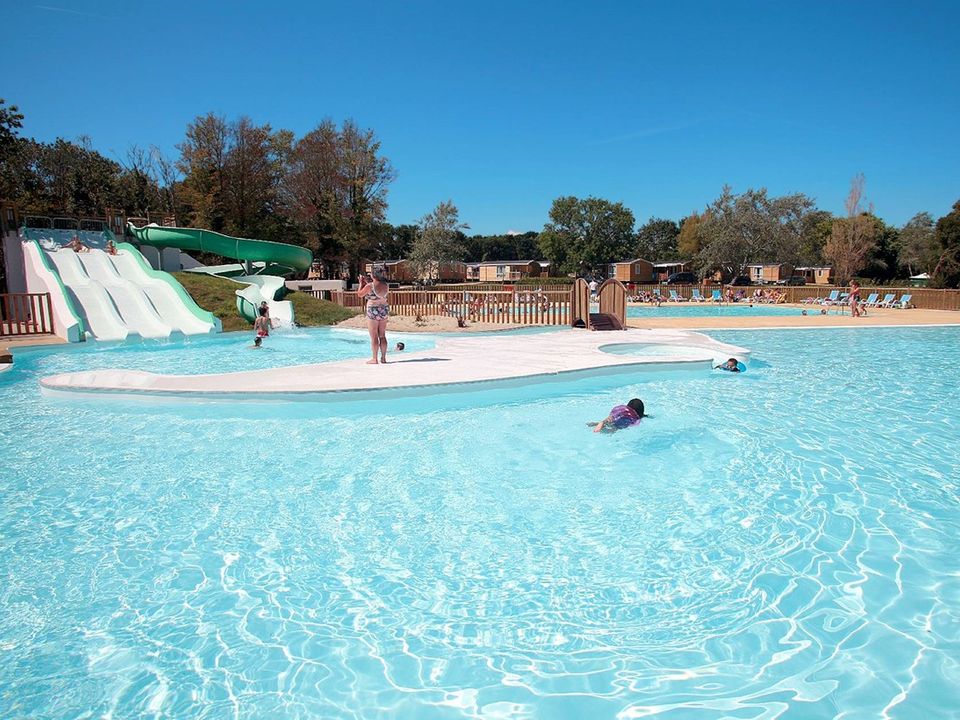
x=375 y=290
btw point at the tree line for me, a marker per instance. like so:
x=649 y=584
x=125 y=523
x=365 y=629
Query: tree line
x=328 y=189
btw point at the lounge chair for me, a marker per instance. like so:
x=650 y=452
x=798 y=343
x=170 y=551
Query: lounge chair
x=903 y=303
x=832 y=298
x=717 y=297
x=676 y=297
x=695 y=296
x=872 y=300
x=887 y=300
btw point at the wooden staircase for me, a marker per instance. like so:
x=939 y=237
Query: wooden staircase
x=605 y=321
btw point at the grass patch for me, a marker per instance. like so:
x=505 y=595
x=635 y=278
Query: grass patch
x=219 y=297
x=310 y=312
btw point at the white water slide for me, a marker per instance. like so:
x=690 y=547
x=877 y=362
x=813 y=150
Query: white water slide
x=118 y=296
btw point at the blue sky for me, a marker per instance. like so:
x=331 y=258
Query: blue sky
x=504 y=106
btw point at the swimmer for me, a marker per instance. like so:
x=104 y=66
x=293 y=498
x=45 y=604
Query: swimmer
x=400 y=346
x=730 y=365
x=620 y=417
x=257 y=343
x=803 y=312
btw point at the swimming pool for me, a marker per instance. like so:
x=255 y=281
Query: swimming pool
x=708 y=310
x=781 y=543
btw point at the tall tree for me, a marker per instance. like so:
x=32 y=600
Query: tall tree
x=918 y=244
x=439 y=240
x=946 y=273
x=657 y=240
x=337 y=187
x=203 y=158
x=250 y=172
x=853 y=237
x=583 y=235
x=688 y=239
x=751 y=227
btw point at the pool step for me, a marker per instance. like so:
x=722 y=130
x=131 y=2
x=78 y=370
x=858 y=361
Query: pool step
x=604 y=321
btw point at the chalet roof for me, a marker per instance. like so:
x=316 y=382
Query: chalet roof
x=508 y=262
x=631 y=262
x=670 y=263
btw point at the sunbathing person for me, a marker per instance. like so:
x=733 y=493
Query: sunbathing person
x=620 y=417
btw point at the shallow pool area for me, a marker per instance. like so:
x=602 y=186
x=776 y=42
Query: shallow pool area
x=776 y=544
x=709 y=309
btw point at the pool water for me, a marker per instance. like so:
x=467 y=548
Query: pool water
x=708 y=309
x=778 y=544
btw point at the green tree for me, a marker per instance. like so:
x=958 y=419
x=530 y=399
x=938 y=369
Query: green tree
x=583 y=235
x=439 y=240
x=11 y=120
x=946 y=272
x=882 y=264
x=853 y=237
x=657 y=240
x=688 y=239
x=918 y=244
x=203 y=159
x=816 y=231
x=337 y=187
x=751 y=227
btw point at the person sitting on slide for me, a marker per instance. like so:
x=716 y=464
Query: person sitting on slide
x=77 y=246
x=620 y=417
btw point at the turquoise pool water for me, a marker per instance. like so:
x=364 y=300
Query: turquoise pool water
x=778 y=544
x=708 y=309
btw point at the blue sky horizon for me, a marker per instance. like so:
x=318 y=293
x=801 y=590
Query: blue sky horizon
x=503 y=107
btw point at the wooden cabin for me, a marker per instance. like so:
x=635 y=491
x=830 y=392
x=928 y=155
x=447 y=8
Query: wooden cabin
x=768 y=273
x=507 y=270
x=663 y=269
x=822 y=275
x=402 y=271
x=633 y=271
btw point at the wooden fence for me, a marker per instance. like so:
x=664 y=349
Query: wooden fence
x=926 y=298
x=25 y=314
x=546 y=307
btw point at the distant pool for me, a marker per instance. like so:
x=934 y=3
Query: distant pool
x=708 y=309
x=781 y=544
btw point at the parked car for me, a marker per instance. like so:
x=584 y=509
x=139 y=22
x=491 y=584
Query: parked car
x=741 y=280
x=682 y=278
x=793 y=280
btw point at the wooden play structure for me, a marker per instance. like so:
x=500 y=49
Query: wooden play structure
x=612 y=298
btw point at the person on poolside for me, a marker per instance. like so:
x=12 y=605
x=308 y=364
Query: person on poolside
x=854 y=298
x=261 y=326
x=620 y=417
x=730 y=365
x=375 y=290
x=400 y=347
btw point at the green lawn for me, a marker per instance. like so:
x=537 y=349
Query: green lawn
x=219 y=297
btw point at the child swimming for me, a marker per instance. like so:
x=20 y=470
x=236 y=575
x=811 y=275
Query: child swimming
x=620 y=417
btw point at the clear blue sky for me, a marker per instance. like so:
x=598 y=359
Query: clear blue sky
x=504 y=106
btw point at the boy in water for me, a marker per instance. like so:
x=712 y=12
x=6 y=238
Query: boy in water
x=730 y=365
x=400 y=347
x=620 y=417
x=257 y=343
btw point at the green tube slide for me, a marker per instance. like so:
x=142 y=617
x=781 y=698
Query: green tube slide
x=291 y=256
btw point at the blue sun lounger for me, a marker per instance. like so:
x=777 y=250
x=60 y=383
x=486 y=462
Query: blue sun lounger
x=887 y=300
x=716 y=296
x=695 y=296
x=832 y=298
x=676 y=297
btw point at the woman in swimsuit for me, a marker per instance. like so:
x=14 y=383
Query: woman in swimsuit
x=375 y=290
x=262 y=324
x=854 y=298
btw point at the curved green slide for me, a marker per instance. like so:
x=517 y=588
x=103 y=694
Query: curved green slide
x=291 y=256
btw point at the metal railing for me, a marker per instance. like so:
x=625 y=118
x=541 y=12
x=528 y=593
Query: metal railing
x=25 y=314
